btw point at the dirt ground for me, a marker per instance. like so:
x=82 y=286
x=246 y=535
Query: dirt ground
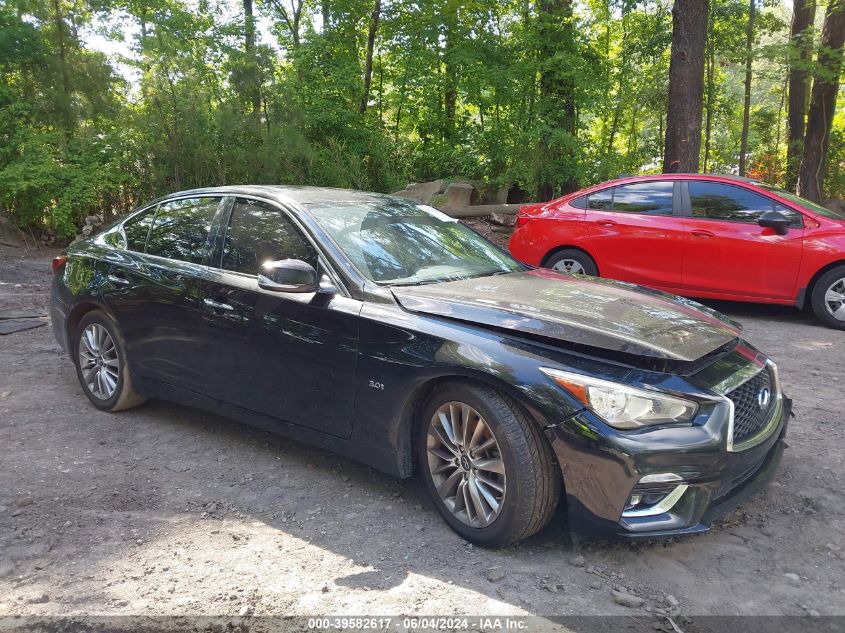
x=167 y=510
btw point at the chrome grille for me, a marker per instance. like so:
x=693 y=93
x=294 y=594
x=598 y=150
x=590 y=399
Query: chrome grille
x=749 y=416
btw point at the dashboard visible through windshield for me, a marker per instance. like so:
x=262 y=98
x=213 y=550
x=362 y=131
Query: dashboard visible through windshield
x=393 y=242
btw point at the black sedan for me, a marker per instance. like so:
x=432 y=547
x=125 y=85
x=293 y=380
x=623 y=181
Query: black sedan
x=387 y=331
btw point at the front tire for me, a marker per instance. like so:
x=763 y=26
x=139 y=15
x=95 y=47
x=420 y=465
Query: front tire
x=572 y=262
x=828 y=298
x=488 y=468
x=101 y=365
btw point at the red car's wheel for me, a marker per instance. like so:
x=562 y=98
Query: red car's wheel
x=572 y=262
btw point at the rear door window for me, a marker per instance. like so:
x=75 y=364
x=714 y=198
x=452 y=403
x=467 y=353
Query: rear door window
x=647 y=198
x=137 y=228
x=726 y=203
x=600 y=200
x=181 y=229
x=258 y=232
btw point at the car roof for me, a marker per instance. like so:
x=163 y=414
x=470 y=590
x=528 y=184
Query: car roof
x=301 y=194
x=624 y=178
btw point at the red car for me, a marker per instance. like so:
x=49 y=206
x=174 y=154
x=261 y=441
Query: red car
x=704 y=236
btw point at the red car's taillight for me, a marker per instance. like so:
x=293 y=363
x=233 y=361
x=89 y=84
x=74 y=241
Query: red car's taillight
x=58 y=262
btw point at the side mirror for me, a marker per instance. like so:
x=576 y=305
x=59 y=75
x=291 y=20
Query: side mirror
x=774 y=220
x=288 y=275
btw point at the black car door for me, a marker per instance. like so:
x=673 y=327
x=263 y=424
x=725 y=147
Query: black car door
x=291 y=356
x=154 y=289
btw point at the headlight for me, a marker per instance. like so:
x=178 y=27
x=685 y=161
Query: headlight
x=621 y=406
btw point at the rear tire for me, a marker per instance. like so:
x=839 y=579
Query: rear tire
x=100 y=360
x=828 y=298
x=572 y=262
x=499 y=457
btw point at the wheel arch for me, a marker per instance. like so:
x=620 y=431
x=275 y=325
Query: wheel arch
x=569 y=247
x=75 y=316
x=410 y=417
x=804 y=299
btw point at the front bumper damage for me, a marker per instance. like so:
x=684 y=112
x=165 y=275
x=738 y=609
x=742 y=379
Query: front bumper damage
x=695 y=474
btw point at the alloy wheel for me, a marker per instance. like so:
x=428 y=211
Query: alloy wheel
x=466 y=464
x=98 y=361
x=569 y=266
x=834 y=299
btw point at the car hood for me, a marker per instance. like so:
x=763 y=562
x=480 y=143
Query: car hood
x=599 y=313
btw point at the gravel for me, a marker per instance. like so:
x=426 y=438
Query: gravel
x=173 y=510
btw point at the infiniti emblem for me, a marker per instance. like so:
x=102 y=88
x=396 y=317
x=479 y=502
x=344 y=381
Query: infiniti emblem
x=764 y=396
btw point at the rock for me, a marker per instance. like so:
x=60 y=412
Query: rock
x=672 y=601
x=423 y=191
x=494 y=574
x=577 y=561
x=596 y=584
x=502 y=219
x=245 y=611
x=459 y=195
x=217 y=627
x=39 y=599
x=501 y=194
x=627 y=600
x=6 y=568
x=24 y=502
x=793 y=578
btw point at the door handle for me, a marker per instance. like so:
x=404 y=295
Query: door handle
x=702 y=233
x=216 y=305
x=606 y=223
x=117 y=280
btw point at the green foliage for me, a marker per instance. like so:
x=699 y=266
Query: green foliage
x=548 y=96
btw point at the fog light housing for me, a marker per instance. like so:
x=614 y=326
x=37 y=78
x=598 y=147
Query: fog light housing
x=652 y=503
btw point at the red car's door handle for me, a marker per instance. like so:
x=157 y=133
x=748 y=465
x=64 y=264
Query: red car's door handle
x=702 y=233
x=605 y=222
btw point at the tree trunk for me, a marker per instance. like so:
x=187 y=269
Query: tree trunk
x=368 y=61
x=557 y=110
x=686 y=86
x=746 y=106
x=822 y=103
x=325 y=10
x=253 y=80
x=450 y=82
x=620 y=86
x=803 y=16
x=711 y=86
x=65 y=96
